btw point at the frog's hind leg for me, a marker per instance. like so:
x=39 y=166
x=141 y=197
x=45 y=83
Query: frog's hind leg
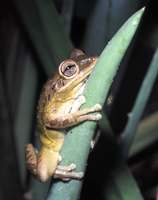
x=44 y=164
x=31 y=158
x=41 y=164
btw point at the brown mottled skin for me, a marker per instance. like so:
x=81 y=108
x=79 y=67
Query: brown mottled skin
x=54 y=114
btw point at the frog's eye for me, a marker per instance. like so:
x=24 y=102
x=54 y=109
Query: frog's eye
x=68 y=69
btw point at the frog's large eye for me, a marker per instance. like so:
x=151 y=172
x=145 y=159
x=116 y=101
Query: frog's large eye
x=68 y=69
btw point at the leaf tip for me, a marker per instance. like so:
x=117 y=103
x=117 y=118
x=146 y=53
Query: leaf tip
x=143 y=9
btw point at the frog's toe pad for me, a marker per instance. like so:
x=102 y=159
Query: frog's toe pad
x=80 y=175
x=98 y=117
x=59 y=158
x=82 y=99
x=72 y=167
x=97 y=107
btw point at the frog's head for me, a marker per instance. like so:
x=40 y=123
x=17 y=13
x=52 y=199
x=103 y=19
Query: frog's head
x=75 y=70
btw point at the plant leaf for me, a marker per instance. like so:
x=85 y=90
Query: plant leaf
x=77 y=142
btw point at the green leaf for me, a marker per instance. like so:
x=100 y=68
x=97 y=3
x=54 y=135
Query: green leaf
x=140 y=103
x=77 y=142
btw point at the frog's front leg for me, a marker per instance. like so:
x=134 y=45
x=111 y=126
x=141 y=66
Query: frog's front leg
x=74 y=117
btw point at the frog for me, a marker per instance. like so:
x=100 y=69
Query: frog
x=58 y=109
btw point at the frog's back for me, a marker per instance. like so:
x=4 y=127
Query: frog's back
x=46 y=93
